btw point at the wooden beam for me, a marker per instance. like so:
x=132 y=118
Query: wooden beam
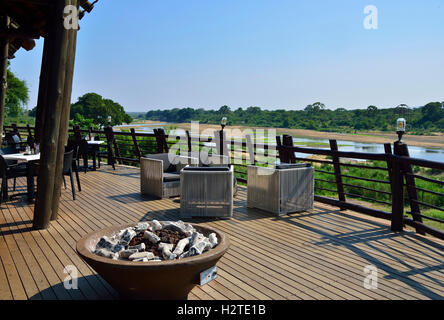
x=4 y=54
x=19 y=34
x=49 y=134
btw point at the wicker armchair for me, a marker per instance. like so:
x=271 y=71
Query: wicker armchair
x=281 y=190
x=218 y=161
x=206 y=192
x=160 y=177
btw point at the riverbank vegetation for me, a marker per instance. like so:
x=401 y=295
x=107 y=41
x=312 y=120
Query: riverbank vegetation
x=422 y=120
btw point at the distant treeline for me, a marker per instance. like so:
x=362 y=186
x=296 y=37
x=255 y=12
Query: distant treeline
x=426 y=119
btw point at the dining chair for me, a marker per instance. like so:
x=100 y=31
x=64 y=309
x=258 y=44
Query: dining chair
x=14 y=141
x=73 y=146
x=67 y=171
x=9 y=170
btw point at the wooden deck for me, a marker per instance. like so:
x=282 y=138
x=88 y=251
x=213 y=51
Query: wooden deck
x=315 y=255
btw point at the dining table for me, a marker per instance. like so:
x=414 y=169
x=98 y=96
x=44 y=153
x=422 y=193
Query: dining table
x=94 y=148
x=31 y=160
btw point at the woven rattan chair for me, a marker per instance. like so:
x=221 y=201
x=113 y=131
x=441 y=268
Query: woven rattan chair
x=160 y=174
x=281 y=190
x=207 y=192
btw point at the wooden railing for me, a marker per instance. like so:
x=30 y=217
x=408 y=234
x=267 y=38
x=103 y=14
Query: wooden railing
x=392 y=194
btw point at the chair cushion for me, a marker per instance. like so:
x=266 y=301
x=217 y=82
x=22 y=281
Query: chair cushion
x=171 y=177
x=209 y=169
x=19 y=171
x=283 y=166
x=171 y=169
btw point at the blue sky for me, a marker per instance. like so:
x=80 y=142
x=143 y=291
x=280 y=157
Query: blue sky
x=159 y=54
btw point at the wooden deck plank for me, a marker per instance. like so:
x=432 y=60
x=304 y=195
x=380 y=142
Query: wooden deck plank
x=315 y=255
x=41 y=263
x=5 y=290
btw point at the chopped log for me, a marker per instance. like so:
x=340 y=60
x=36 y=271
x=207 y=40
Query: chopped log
x=64 y=119
x=57 y=37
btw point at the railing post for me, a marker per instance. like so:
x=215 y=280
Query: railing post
x=136 y=144
x=402 y=150
x=282 y=152
x=16 y=130
x=163 y=138
x=397 y=194
x=287 y=141
x=388 y=152
x=162 y=145
x=112 y=142
x=338 y=175
x=158 y=141
x=77 y=133
x=251 y=148
x=109 y=143
x=221 y=144
x=189 y=141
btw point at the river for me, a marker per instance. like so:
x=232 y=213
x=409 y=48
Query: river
x=433 y=154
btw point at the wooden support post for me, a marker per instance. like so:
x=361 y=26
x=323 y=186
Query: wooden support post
x=338 y=175
x=4 y=54
x=136 y=144
x=397 y=195
x=49 y=135
x=64 y=117
x=401 y=149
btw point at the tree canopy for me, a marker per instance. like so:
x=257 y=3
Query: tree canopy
x=426 y=119
x=94 y=107
x=17 y=96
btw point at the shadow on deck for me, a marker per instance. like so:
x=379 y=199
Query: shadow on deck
x=320 y=254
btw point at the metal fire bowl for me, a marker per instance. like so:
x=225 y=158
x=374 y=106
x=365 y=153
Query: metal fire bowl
x=164 y=280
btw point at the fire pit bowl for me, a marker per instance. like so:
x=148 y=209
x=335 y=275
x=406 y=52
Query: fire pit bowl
x=162 y=280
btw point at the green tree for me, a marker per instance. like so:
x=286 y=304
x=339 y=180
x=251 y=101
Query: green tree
x=93 y=106
x=372 y=110
x=17 y=96
x=315 y=107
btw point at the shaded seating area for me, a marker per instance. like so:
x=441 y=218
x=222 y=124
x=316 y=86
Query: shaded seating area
x=22 y=23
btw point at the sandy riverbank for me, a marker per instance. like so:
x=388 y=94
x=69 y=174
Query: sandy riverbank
x=436 y=141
